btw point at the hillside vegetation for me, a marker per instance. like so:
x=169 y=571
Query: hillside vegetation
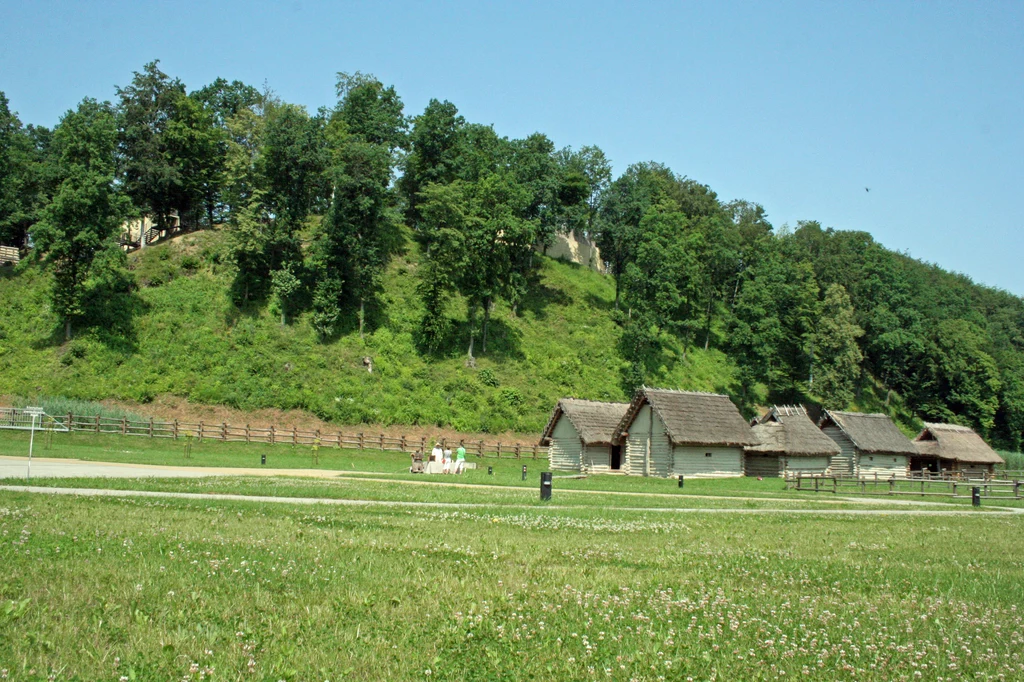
x=185 y=336
x=317 y=240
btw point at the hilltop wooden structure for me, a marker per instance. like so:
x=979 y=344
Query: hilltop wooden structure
x=951 y=448
x=683 y=433
x=871 y=445
x=788 y=442
x=580 y=436
x=9 y=255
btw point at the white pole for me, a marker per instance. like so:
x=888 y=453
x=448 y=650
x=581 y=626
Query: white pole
x=31 y=439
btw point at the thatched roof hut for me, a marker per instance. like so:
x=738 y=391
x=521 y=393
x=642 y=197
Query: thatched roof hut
x=683 y=433
x=692 y=418
x=874 y=433
x=871 y=445
x=787 y=430
x=581 y=435
x=956 y=448
x=595 y=421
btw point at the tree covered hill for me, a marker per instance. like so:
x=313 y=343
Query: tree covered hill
x=317 y=239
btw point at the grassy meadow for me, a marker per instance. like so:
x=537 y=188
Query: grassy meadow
x=209 y=589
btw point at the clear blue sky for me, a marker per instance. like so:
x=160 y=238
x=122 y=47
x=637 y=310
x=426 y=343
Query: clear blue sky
x=797 y=106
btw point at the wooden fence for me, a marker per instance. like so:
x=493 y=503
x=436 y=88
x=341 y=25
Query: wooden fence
x=918 y=486
x=292 y=436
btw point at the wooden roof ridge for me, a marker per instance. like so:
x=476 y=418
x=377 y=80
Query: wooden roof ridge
x=870 y=432
x=691 y=417
x=955 y=442
x=595 y=420
x=789 y=430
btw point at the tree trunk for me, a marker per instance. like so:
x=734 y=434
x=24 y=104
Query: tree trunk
x=209 y=213
x=284 y=321
x=707 y=323
x=362 y=317
x=471 y=344
x=67 y=328
x=487 y=317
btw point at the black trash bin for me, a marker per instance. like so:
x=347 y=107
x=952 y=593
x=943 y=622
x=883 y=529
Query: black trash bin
x=545 y=485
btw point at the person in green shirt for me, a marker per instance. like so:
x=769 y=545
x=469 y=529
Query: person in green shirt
x=460 y=459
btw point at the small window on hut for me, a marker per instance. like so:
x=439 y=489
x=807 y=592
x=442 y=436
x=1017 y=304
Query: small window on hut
x=707 y=454
x=871 y=459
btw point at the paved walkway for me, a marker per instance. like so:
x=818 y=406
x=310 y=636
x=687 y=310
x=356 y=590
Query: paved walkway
x=98 y=492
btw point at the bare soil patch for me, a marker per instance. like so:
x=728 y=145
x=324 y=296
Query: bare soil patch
x=169 y=407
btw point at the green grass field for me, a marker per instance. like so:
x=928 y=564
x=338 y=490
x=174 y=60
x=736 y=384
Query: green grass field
x=152 y=589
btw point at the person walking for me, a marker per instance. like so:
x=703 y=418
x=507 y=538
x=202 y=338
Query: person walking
x=460 y=459
x=447 y=468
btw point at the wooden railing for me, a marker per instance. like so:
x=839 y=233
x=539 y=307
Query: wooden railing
x=272 y=435
x=920 y=486
x=9 y=254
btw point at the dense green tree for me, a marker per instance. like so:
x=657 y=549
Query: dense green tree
x=359 y=233
x=294 y=161
x=197 y=148
x=963 y=383
x=434 y=147
x=836 y=357
x=23 y=175
x=225 y=100
x=371 y=111
x=774 y=319
x=626 y=202
x=86 y=210
x=149 y=173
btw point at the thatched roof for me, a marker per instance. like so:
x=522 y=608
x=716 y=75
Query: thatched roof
x=959 y=443
x=787 y=430
x=873 y=433
x=596 y=422
x=692 y=418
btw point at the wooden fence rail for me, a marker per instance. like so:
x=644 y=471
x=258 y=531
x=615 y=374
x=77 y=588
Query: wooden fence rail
x=916 y=486
x=272 y=435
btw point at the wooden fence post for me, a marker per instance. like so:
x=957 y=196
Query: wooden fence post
x=402 y=444
x=70 y=422
x=517 y=450
x=97 y=423
x=499 y=449
x=223 y=431
x=480 y=449
x=247 y=433
x=272 y=433
x=200 y=432
x=175 y=429
x=382 y=442
x=360 y=440
x=295 y=435
x=150 y=427
x=535 y=451
x=423 y=444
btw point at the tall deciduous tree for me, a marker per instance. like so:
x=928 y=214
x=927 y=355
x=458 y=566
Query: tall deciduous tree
x=23 y=176
x=836 y=357
x=434 y=148
x=150 y=176
x=86 y=210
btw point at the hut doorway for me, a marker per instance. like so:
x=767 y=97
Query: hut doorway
x=616 y=458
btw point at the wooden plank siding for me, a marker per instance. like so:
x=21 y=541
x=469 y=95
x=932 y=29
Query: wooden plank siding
x=765 y=466
x=597 y=459
x=700 y=461
x=636 y=446
x=883 y=465
x=806 y=465
x=566 y=447
x=845 y=463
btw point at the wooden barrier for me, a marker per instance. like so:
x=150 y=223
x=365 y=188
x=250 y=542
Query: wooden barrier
x=224 y=432
x=918 y=486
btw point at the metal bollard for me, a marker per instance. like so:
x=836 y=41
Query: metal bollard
x=680 y=480
x=524 y=472
x=263 y=458
x=545 y=485
x=975 y=496
x=490 y=471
